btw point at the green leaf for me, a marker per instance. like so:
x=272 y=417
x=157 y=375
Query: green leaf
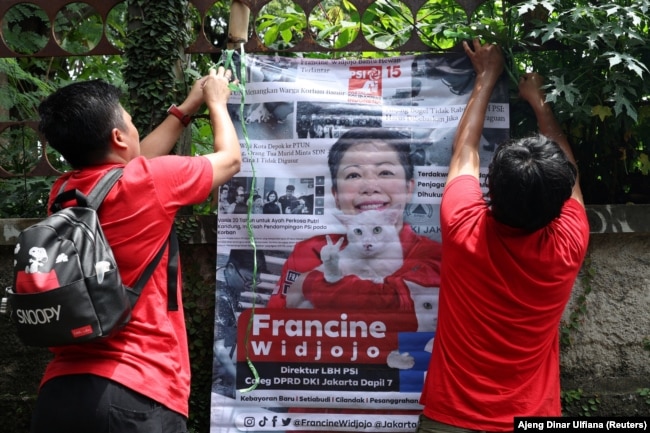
x=601 y=111
x=614 y=59
x=644 y=166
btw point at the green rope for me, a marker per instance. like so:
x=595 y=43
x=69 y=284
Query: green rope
x=241 y=87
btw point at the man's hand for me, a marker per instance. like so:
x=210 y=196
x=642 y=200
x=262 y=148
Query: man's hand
x=530 y=88
x=217 y=91
x=194 y=99
x=487 y=60
x=488 y=64
x=215 y=87
x=226 y=159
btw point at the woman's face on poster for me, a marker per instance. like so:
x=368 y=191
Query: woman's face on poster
x=370 y=176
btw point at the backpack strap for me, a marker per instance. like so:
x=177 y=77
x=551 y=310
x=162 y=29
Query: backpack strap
x=96 y=196
x=172 y=273
x=101 y=190
x=146 y=274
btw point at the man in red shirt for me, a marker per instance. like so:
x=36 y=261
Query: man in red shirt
x=508 y=270
x=138 y=380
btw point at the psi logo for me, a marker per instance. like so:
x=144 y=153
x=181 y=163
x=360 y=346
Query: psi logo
x=365 y=84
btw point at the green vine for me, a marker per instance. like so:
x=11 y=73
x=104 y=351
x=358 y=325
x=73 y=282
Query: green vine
x=575 y=403
x=199 y=307
x=579 y=310
x=186 y=226
x=157 y=33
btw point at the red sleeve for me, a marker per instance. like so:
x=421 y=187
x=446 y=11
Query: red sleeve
x=572 y=228
x=186 y=180
x=461 y=201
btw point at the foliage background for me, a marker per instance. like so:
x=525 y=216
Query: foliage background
x=593 y=54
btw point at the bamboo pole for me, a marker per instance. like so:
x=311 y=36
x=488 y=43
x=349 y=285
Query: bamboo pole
x=238 y=24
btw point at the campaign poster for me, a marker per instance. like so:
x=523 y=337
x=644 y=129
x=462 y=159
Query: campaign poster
x=328 y=240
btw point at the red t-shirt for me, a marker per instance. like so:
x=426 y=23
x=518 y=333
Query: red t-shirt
x=503 y=292
x=150 y=355
x=421 y=266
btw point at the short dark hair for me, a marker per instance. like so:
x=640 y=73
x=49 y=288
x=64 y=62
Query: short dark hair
x=77 y=120
x=269 y=195
x=399 y=141
x=528 y=181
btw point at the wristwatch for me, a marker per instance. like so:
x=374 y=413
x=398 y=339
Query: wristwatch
x=177 y=113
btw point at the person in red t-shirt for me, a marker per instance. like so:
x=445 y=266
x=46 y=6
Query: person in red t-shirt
x=139 y=379
x=510 y=265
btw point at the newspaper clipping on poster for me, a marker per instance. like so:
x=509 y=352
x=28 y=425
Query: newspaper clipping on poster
x=328 y=240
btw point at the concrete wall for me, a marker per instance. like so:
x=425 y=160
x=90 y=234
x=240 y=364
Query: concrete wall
x=606 y=359
x=609 y=353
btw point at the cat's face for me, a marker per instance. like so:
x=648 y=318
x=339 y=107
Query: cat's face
x=371 y=176
x=370 y=232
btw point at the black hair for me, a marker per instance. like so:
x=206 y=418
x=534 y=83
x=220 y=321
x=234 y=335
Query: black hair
x=269 y=194
x=77 y=120
x=398 y=141
x=528 y=182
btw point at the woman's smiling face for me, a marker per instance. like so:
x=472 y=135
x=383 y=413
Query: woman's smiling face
x=370 y=176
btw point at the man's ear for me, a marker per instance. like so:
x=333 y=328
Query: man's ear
x=117 y=139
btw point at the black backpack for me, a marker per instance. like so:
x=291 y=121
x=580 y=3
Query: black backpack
x=67 y=288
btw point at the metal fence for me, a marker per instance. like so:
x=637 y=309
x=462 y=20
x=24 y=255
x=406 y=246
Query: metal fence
x=46 y=15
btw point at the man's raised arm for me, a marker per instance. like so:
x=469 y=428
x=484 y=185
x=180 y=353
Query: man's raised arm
x=530 y=89
x=488 y=65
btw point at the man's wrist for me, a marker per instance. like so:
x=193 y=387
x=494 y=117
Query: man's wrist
x=184 y=118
